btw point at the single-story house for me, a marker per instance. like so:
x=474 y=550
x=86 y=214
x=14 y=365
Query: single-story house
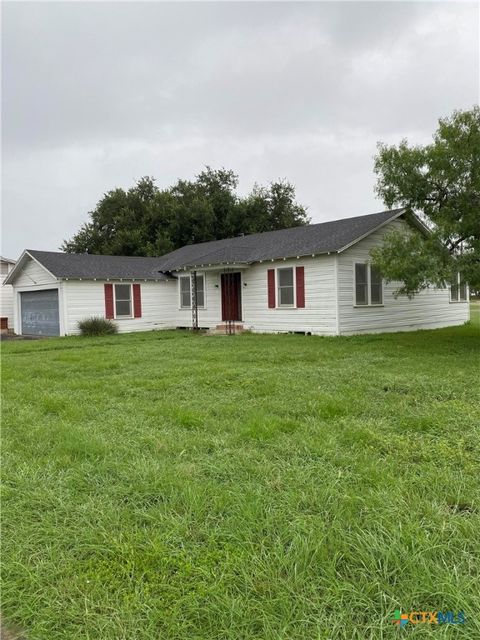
x=314 y=279
x=6 y=294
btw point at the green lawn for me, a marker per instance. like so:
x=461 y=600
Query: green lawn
x=169 y=485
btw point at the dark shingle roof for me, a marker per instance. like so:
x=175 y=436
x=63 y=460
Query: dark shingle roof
x=325 y=237
x=84 y=265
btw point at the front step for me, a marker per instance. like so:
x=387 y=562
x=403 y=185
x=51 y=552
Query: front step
x=225 y=329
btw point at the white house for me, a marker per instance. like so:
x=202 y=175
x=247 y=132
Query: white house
x=312 y=279
x=6 y=294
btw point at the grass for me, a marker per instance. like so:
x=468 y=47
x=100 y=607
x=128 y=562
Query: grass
x=175 y=486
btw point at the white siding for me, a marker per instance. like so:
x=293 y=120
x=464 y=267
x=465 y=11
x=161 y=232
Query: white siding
x=6 y=294
x=319 y=314
x=86 y=298
x=429 y=309
x=6 y=303
x=209 y=316
x=32 y=275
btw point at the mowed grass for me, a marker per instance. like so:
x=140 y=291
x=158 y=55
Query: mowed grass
x=174 y=486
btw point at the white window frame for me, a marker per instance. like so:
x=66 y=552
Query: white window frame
x=277 y=289
x=459 y=283
x=189 y=276
x=369 y=288
x=117 y=317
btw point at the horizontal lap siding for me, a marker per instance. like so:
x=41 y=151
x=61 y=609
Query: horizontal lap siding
x=6 y=303
x=429 y=309
x=211 y=315
x=319 y=314
x=33 y=275
x=84 y=299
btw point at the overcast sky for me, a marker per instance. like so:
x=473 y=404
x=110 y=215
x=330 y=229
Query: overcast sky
x=96 y=95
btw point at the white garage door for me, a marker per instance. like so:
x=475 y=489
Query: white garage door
x=39 y=310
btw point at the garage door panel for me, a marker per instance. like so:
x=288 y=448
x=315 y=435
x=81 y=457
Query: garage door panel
x=39 y=310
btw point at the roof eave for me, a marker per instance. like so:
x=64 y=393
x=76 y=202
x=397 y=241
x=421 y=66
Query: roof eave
x=19 y=265
x=396 y=215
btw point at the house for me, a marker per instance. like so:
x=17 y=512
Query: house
x=314 y=279
x=6 y=294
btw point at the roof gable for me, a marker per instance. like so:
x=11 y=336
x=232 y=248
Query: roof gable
x=314 y=239
x=325 y=237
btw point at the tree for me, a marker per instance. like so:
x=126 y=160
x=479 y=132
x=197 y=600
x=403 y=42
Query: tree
x=440 y=182
x=148 y=221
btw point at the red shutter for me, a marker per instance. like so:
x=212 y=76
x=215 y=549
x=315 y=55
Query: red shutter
x=137 y=301
x=300 y=279
x=271 y=288
x=109 y=301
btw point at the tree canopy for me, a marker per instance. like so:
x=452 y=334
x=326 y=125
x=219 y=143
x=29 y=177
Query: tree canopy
x=441 y=183
x=148 y=221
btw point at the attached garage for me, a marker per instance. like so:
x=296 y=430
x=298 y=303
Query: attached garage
x=39 y=312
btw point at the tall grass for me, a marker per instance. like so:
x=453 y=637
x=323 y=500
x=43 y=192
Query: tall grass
x=174 y=486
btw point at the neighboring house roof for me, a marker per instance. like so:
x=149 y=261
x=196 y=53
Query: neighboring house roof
x=88 y=266
x=325 y=237
x=3 y=259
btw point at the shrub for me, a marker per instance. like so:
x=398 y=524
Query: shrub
x=97 y=326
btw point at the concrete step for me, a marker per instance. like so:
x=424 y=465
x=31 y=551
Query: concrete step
x=224 y=329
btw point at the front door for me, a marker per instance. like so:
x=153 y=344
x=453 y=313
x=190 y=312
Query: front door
x=231 y=296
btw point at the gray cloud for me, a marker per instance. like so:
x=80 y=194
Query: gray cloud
x=96 y=95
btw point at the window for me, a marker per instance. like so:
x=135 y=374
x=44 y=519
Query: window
x=200 y=291
x=361 y=284
x=123 y=300
x=368 y=285
x=458 y=290
x=286 y=293
x=186 y=291
x=376 y=286
x=185 y=299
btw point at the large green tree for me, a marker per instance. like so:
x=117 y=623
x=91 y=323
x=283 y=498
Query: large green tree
x=148 y=221
x=440 y=182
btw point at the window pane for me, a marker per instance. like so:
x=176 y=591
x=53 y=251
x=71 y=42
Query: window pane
x=285 y=295
x=122 y=291
x=200 y=284
x=376 y=293
x=375 y=276
x=454 y=292
x=361 y=294
x=360 y=274
x=185 y=291
x=463 y=291
x=122 y=308
x=200 y=291
x=285 y=277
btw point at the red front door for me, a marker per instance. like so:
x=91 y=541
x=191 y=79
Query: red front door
x=231 y=296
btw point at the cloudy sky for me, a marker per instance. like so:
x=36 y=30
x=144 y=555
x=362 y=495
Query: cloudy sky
x=96 y=95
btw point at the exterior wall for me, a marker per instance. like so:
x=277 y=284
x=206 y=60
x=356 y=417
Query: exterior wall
x=6 y=294
x=430 y=309
x=33 y=277
x=319 y=314
x=211 y=314
x=86 y=298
